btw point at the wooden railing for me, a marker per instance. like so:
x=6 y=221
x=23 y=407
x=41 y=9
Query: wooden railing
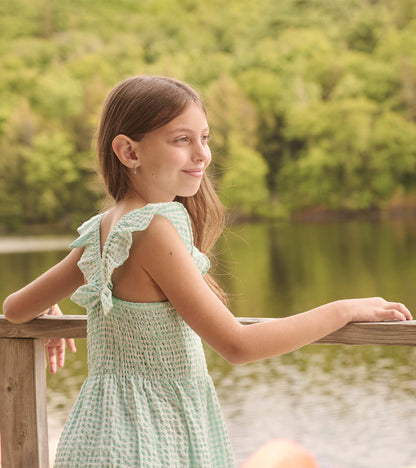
x=23 y=417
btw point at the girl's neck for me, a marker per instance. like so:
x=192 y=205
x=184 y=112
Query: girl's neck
x=131 y=202
x=133 y=199
x=146 y=193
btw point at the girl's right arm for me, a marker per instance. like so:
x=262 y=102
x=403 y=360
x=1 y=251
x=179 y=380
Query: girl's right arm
x=169 y=264
x=50 y=288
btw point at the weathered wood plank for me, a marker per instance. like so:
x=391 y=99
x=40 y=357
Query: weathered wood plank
x=75 y=326
x=23 y=418
x=379 y=333
x=66 y=326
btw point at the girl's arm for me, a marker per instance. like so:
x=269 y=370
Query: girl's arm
x=46 y=291
x=170 y=265
x=53 y=286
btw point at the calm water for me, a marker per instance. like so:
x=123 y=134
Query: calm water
x=353 y=407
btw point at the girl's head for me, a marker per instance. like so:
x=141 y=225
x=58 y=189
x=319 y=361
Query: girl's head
x=136 y=106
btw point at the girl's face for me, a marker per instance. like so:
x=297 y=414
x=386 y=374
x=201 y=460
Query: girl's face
x=173 y=158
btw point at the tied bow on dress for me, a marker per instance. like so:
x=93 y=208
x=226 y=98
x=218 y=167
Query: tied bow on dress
x=91 y=294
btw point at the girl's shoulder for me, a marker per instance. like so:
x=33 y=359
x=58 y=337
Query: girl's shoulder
x=162 y=222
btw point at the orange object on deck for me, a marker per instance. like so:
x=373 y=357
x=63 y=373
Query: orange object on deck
x=281 y=453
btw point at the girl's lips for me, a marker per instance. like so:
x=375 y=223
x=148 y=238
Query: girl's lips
x=195 y=172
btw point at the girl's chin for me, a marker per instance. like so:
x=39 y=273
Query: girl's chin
x=189 y=193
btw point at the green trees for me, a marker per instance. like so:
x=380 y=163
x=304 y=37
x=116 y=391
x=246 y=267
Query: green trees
x=243 y=181
x=354 y=157
x=310 y=103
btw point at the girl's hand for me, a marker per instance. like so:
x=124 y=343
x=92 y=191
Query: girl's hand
x=56 y=346
x=375 y=309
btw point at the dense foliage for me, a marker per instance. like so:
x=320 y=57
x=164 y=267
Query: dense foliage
x=311 y=103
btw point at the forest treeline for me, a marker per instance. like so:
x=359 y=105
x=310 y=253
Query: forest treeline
x=312 y=103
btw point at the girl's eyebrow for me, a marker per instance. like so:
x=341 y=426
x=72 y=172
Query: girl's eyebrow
x=184 y=129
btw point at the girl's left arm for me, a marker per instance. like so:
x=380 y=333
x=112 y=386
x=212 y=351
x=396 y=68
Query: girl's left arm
x=53 y=286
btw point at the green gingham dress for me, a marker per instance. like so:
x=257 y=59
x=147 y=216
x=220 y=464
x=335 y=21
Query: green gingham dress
x=148 y=400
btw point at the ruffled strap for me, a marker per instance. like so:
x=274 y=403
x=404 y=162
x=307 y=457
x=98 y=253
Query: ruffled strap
x=87 y=231
x=117 y=249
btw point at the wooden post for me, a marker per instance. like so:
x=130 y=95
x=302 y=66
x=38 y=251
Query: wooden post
x=23 y=418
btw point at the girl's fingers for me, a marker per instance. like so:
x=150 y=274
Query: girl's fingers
x=71 y=345
x=61 y=353
x=56 y=351
x=52 y=359
x=397 y=315
x=400 y=309
x=392 y=314
x=405 y=311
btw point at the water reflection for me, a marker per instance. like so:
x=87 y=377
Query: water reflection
x=353 y=407
x=278 y=270
x=349 y=413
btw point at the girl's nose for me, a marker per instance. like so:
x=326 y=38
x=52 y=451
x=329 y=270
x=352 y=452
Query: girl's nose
x=201 y=152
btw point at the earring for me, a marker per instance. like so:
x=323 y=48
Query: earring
x=135 y=170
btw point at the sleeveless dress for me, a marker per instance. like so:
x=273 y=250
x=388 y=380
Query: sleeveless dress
x=148 y=400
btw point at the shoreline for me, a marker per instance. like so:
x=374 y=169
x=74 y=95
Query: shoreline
x=318 y=214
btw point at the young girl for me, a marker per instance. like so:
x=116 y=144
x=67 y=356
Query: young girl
x=140 y=270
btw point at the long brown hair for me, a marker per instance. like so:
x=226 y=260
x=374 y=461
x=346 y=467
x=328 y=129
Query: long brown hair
x=139 y=105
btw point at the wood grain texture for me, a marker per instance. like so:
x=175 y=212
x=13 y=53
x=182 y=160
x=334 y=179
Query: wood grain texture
x=23 y=418
x=66 y=326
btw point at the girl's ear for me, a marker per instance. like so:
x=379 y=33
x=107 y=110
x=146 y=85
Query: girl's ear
x=126 y=151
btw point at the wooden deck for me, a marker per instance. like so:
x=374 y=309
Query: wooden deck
x=23 y=417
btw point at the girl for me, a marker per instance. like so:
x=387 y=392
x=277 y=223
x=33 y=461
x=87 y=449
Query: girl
x=140 y=270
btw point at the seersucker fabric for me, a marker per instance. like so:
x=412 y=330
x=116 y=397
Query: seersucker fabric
x=148 y=400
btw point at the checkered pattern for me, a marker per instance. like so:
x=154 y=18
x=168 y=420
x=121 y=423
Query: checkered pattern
x=148 y=400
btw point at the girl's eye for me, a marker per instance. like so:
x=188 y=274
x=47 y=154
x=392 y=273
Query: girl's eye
x=184 y=139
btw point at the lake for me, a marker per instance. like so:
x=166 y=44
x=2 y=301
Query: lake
x=353 y=407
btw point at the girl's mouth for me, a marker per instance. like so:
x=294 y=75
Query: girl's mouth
x=195 y=172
